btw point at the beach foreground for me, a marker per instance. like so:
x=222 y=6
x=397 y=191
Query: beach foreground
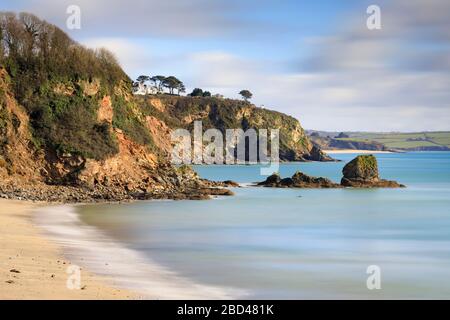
x=33 y=268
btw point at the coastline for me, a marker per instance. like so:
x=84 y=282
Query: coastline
x=355 y=151
x=39 y=241
x=121 y=266
x=32 y=267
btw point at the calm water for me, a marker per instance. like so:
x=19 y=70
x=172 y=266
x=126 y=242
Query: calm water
x=292 y=243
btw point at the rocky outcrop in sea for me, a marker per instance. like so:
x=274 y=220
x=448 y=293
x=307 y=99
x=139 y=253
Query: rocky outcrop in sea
x=361 y=172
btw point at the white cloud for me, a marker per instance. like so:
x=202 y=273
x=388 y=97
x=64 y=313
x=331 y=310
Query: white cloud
x=133 y=58
x=397 y=78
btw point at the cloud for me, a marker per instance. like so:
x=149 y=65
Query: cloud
x=131 y=56
x=412 y=32
x=145 y=18
x=396 y=78
x=220 y=70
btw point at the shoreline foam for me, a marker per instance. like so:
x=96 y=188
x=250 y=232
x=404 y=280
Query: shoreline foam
x=123 y=267
x=31 y=267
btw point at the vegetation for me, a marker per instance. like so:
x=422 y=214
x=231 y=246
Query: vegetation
x=60 y=84
x=125 y=119
x=246 y=94
x=160 y=82
x=197 y=92
x=417 y=140
x=225 y=114
x=363 y=167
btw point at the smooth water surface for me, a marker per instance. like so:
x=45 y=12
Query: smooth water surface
x=298 y=243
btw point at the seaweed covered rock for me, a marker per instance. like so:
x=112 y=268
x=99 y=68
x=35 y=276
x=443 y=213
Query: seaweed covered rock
x=364 y=167
x=362 y=172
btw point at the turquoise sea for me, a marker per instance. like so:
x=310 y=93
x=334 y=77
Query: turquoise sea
x=301 y=244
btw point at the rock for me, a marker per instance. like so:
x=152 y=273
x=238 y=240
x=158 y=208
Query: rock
x=362 y=172
x=381 y=183
x=231 y=184
x=287 y=182
x=316 y=154
x=298 y=180
x=364 y=167
x=272 y=180
x=302 y=180
x=215 y=192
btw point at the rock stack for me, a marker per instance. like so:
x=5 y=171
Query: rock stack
x=362 y=172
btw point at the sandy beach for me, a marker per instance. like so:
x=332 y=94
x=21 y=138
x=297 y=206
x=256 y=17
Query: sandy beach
x=39 y=242
x=355 y=151
x=31 y=267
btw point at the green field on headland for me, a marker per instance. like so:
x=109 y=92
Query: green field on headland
x=413 y=141
x=405 y=140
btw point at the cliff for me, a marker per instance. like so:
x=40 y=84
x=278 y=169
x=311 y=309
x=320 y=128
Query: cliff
x=327 y=143
x=70 y=129
x=171 y=112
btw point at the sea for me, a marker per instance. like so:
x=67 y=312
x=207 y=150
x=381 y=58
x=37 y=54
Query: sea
x=268 y=243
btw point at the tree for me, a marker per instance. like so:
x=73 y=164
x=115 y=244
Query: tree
x=246 y=94
x=142 y=79
x=197 y=92
x=207 y=94
x=171 y=83
x=181 y=88
x=158 y=81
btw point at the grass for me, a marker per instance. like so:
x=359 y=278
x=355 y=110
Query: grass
x=404 y=140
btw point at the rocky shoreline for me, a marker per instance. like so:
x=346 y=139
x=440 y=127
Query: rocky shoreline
x=183 y=183
x=176 y=184
x=70 y=194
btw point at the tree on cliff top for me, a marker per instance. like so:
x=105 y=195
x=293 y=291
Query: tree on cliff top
x=142 y=79
x=158 y=81
x=172 y=83
x=197 y=92
x=246 y=94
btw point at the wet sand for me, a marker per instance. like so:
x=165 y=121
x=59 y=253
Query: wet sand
x=32 y=267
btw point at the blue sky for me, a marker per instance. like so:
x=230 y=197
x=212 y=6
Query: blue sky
x=315 y=60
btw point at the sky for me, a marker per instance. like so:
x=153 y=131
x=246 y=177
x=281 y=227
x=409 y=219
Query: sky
x=314 y=60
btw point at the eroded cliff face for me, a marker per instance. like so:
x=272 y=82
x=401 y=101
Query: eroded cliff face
x=16 y=156
x=171 y=112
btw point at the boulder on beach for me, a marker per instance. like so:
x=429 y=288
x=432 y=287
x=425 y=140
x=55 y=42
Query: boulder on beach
x=362 y=172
